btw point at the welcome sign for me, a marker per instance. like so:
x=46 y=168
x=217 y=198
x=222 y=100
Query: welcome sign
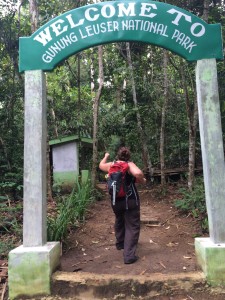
x=115 y=21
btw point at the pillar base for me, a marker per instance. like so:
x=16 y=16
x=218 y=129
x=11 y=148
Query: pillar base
x=211 y=258
x=30 y=269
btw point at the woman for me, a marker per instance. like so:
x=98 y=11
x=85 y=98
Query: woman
x=126 y=209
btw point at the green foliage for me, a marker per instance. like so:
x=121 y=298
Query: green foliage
x=5 y=247
x=12 y=185
x=70 y=211
x=10 y=225
x=193 y=202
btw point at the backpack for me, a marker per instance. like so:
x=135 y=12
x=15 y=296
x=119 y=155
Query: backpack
x=116 y=181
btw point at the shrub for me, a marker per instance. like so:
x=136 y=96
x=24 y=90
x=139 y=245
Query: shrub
x=70 y=210
x=194 y=202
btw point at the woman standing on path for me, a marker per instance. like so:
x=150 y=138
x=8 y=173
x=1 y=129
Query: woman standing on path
x=127 y=208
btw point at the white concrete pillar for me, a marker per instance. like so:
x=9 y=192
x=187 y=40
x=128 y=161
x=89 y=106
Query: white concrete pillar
x=34 y=218
x=212 y=147
x=31 y=265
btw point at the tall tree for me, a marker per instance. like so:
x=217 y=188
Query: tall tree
x=145 y=153
x=192 y=115
x=95 y=113
x=34 y=15
x=163 y=116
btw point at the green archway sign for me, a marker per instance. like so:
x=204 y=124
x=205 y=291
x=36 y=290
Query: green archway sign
x=148 y=21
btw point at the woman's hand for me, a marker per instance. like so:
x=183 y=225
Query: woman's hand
x=107 y=155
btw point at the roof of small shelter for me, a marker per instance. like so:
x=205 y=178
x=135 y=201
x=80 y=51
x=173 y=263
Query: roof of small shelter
x=72 y=138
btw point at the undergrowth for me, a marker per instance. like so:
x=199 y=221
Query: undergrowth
x=194 y=202
x=70 y=210
x=10 y=224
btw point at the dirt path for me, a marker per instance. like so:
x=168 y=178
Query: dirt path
x=166 y=242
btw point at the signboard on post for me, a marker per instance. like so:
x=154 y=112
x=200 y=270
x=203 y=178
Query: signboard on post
x=151 y=22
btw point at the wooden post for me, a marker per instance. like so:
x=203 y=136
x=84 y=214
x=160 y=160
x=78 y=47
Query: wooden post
x=34 y=219
x=212 y=147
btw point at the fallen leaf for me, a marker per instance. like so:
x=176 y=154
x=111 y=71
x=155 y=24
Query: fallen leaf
x=143 y=272
x=191 y=244
x=151 y=242
x=95 y=242
x=76 y=264
x=162 y=265
x=171 y=244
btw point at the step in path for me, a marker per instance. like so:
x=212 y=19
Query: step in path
x=91 y=286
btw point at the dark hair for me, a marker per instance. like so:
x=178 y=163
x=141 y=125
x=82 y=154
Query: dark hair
x=123 y=154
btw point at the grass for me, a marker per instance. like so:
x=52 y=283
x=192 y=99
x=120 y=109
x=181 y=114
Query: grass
x=10 y=226
x=70 y=211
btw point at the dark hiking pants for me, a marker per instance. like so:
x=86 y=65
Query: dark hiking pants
x=127 y=226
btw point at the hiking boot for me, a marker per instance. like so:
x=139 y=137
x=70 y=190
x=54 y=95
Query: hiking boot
x=131 y=260
x=119 y=246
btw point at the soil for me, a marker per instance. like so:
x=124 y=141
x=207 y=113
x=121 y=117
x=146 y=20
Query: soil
x=166 y=243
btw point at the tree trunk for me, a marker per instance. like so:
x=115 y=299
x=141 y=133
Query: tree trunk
x=95 y=115
x=205 y=15
x=49 y=167
x=49 y=173
x=163 y=117
x=192 y=116
x=34 y=15
x=5 y=153
x=145 y=155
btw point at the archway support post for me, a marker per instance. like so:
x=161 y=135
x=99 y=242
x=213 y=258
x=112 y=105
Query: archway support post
x=31 y=265
x=210 y=251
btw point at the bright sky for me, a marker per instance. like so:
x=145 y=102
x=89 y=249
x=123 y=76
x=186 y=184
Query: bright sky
x=8 y=5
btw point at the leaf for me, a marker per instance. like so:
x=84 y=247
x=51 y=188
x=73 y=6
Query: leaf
x=143 y=272
x=187 y=257
x=171 y=244
x=95 y=242
x=162 y=265
x=152 y=242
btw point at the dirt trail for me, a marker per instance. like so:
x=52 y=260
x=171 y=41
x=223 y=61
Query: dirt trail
x=166 y=243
